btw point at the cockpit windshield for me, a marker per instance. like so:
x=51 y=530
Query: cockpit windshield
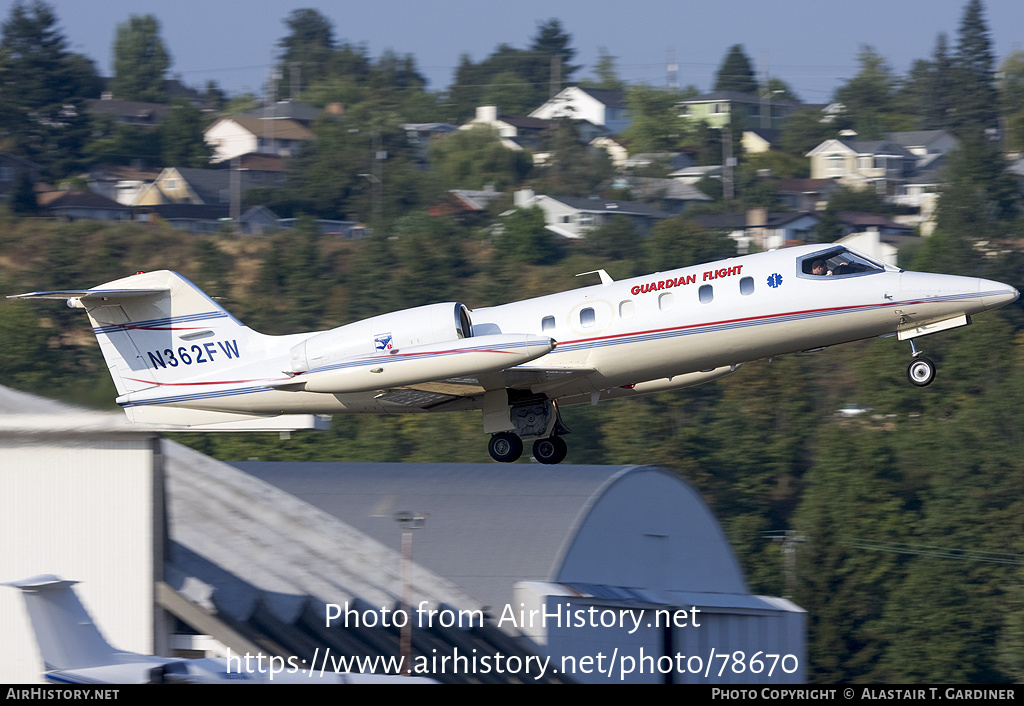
x=837 y=262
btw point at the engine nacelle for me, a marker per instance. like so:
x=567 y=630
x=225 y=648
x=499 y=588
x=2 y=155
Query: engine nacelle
x=400 y=329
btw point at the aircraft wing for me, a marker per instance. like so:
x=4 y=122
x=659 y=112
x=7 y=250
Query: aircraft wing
x=431 y=394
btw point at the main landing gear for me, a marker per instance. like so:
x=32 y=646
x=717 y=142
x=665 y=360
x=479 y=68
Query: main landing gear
x=533 y=417
x=921 y=371
x=506 y=447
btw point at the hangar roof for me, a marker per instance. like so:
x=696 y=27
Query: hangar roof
x=491 y=525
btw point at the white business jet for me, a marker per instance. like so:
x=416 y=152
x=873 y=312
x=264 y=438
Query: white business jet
x=177 y=357
x=75 y=652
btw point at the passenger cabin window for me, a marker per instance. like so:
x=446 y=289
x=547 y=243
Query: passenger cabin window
x=665 y=301
x=747 y=286
x=587 y=317
x=626 y=309
x=547 y=323
x=836 y=262
x=706 y=294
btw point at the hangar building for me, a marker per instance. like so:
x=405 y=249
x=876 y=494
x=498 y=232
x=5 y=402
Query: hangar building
x=179 y=553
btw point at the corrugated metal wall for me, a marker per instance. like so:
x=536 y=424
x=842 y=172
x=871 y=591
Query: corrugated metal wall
x=81 y=507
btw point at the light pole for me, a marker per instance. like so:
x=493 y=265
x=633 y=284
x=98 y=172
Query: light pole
x=408 y=521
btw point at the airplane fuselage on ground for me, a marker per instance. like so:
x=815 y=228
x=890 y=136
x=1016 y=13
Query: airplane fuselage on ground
x=178 y=358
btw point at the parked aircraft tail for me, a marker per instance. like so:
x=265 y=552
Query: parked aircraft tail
x=67 y=637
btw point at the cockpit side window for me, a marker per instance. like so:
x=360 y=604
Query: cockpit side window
x=837 y=262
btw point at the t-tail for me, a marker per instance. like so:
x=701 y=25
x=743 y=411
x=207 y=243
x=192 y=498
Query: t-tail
x=157 y=328
x=67 y=637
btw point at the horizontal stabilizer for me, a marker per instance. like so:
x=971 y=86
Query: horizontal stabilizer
x=89 y=296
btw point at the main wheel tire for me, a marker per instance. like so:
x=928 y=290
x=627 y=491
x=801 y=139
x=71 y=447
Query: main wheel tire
x=505 y=447
x=550 y=450
x=921 y=372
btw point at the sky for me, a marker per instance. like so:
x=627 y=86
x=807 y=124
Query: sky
x=810 y=44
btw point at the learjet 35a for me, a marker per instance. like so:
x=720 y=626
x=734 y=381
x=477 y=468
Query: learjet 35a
x=177 y=357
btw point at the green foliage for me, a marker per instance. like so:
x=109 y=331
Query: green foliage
x=605 y=74
x=736 y=72
x=181 y=137
x=655 y=124
x=974 y=98
x=140 y=60
x=869 y=96
x=804 y=130
x=40 y=78
x=471 y=159
x=532 y=67
x=524 y=238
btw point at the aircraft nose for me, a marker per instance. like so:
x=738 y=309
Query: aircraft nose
x=996 y=294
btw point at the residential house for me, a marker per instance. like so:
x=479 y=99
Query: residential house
x=200 y=187
x=233 y=137
x=722 y=108
x=121 y=183
x=760 y=230
x=759 y=140
x=516 y=132
x=466 y=203
x=889 y=165
x=883 y=165
x=670 y=195
x=74 y=205
x=573 y=217
x=598 y=106
x=300 y=113
x=135 y=113
x=519 y=132
x=805 y=194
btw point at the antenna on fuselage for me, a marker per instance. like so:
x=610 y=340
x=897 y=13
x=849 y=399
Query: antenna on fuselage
x=606 y=279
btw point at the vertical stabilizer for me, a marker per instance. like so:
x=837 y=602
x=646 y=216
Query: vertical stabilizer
x=67 y=637
x=157 y=328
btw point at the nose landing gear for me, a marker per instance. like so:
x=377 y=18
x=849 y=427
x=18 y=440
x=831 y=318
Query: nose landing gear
x=921 y=371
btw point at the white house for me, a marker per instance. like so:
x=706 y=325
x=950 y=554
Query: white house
x=233 y=137
x=600 y=106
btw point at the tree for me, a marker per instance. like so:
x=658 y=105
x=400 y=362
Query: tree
x=181 y=137
x=655 y=124
x=1011 y=83
x=868 y=96
x=605 y=74
x=43 y=87
x=525 y=238
x=471 y=159
x=140 y=60
x=736 y=72
x=974 y=96
x=308 y=48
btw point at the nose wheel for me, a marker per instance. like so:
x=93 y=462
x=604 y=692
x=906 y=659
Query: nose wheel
x=921 y=371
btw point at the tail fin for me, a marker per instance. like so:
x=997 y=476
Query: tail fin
x=67 y=637
x=156 y=328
